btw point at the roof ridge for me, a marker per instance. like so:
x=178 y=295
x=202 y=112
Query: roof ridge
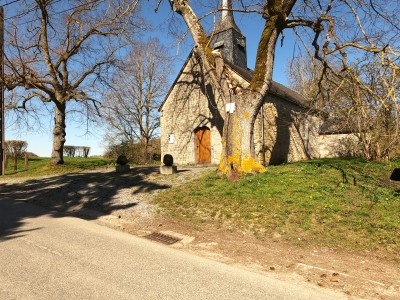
x=276 y=87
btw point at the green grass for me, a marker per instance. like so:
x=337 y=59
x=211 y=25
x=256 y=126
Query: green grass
x=341 y=203
x=40 y=166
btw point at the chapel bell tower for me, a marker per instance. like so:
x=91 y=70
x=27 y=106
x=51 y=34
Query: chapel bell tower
x=228 y=39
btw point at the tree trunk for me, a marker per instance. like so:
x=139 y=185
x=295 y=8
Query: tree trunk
x=238 y=155
x=58 y=134
x=146 y=151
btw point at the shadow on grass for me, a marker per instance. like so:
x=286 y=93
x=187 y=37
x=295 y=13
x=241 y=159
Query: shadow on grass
x=78 y=193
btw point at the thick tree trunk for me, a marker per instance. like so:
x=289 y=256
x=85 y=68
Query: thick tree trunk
x=58 y=134
x=146 y=151
x=237 y=142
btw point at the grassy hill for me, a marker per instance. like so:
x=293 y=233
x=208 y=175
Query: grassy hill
x=341 y=203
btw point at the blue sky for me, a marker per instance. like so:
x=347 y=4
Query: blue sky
x=40 y=140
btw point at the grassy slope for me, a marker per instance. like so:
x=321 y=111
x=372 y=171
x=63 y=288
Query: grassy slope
x=341 y=203
x=40 y=166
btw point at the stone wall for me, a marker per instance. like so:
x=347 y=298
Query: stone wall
x=191 y=104
x=289 y=133
x=338 y=145
x=292 y=134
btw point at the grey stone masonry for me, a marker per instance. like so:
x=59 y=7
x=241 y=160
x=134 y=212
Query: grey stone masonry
x=168 y=170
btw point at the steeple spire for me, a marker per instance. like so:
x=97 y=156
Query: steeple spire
x=228 y=39
x=226 y=20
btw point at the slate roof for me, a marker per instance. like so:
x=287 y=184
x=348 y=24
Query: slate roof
x=277 y=89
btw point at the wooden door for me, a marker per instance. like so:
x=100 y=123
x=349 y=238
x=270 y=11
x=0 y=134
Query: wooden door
x=203 y=145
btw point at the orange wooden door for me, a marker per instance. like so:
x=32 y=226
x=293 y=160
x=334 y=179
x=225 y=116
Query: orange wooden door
x=203 y=146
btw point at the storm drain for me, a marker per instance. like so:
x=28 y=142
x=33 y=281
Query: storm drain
x=162 y=238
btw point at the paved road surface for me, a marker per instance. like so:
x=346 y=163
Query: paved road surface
x=50 y=256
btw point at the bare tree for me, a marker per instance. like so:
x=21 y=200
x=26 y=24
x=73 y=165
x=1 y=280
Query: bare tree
x=362 y=101
x=138 y=88
x=69 y=151
x=58 y=51
x=366 y=99
x=304 y=75
x=334 y=30
x=15 y=147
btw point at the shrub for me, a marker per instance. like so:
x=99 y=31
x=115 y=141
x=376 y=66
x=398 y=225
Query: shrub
x=136 y=152
x=168 y=160
x=122 y=160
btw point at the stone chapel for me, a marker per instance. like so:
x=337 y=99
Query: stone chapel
x=192 y=116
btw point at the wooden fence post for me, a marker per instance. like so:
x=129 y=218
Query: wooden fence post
x=15 y=161
x=26 y=161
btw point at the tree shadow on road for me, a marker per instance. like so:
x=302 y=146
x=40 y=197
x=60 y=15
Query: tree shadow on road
x=77 y=193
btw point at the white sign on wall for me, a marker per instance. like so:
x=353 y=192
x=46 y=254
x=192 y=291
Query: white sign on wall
x=230 y=108
x=171 y=138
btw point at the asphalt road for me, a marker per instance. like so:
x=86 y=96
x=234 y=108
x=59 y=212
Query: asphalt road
x=45 y=255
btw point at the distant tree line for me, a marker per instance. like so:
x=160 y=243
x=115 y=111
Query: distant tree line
x=76 y=151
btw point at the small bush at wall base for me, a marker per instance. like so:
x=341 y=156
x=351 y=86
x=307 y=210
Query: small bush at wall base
x=168 y=160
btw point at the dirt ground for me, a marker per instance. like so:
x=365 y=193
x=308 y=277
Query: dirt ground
x=123 y=202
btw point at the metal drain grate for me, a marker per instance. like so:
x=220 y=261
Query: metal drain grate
x=162 y=238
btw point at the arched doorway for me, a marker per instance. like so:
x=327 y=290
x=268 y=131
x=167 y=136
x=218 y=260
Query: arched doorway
x=203 y=145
